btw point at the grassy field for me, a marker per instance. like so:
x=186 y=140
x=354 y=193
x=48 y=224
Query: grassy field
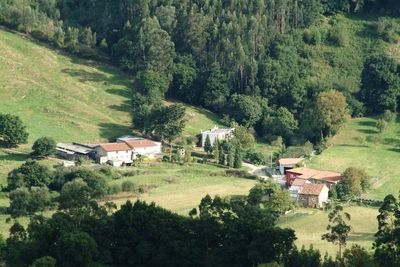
x=67 y=98
x=354 y=147
x=310 y=224
x=180 y=188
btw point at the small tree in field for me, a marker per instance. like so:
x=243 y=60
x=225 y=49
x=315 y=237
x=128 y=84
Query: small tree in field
x=12 y=131
x=207 y=145
x=237 y=161
x=230 y=158
x=338 y=229
x=216 y=149
x=44 y=146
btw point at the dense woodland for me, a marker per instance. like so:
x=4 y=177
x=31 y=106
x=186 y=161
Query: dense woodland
x=248 y=61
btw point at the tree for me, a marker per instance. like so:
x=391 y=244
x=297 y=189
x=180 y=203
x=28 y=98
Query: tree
x=207 y=145
x=216 y=149
x=338 y=229
x=245 y=110
x=386 y=238
x=237 y=161
x=29 y=174
x=217 y=88
x=381 y=124
x=12 y=130
x=221 y=156
x=243 y=138
x=355 y=181
x=44 y=146
x=74 y=195
x=167 y=123
x=283 y=123
x=24 y=201
x=380 y=83
x=332 y=111
x=45 y=261
x=152 y=84
x=230 y=157
x=357 y=256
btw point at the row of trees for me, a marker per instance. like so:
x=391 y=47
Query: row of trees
x=236 y=231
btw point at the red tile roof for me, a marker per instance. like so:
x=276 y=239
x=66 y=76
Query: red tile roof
x=299 y=182
x=311 y=189
x=140 y=143
x=306 y=173
x=111 y=147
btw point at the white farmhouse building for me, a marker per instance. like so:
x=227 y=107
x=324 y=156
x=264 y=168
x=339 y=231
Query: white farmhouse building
x=216 y=134
x=117 y=154
x=126 y=149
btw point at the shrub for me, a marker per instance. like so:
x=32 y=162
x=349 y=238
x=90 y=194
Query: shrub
x=44 y=146
x=257 y=158
x=338 y=36
x=128 y=186
x=114 y=189
x=387 y=29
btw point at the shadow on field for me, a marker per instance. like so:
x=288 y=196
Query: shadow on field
x=112 y=131
x=394 y=150
x=368 y=131
x=124 y=107
x=367 y=123
x=121 y=92
x=356 y=236
x=13 y=157
x=392 y=141
x=86 y=76
x=347 y=145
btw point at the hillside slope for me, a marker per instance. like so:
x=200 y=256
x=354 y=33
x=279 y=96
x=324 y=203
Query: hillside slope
x=67 y=98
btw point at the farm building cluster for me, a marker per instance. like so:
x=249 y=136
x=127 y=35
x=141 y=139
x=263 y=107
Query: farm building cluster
x=309 y=187
x=122 y=152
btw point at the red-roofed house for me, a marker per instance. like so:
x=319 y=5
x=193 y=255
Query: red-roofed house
x=313 y=195
x=314 y=176
x=296 y=186
x=126 y=149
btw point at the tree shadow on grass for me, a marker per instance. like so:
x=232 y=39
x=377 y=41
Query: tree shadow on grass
x=367 y=123
x=348 y=145
x=112 y=131
x=394 y=150
x=360 y=236
x=392 y=142
x=13 y=157
x=368 y=131
x=120 y=92
x=86 y=76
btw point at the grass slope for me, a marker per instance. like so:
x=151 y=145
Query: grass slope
x=353 y=147
x=310 y=224
x=180 y=188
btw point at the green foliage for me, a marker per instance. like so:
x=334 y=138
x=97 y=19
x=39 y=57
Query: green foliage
x=305 y=257
x=355 y=182
x=24 y=201
x=245 y=110
x=338 y=229
x=380 y=84
x=74 y=195
x=387 y=29
x=338 y=36
x=237 y=161
x=381 y=125
x=12 y=131
x=128 y=186
x=332 y=111
x=217 y=88
x=30 y=174
x=45 y=261
x=283 y=123
x=357 y=256
x=44 y=146
x=207 y=145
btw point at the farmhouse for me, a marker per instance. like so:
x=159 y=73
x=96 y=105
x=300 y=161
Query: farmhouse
x=296 y=186
x=314 y=176
x=313 y=195
x=126 y=149
x=289 y=163
x=117 y=154
x=215 y=133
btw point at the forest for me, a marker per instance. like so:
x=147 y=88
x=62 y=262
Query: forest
x=248 y=61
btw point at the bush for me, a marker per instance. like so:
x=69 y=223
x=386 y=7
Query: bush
x=24 y=201
x=338 y=36
x=128 y=186
x=44 y=146
x=114 y=189
x=387 y=29
x=257 y=158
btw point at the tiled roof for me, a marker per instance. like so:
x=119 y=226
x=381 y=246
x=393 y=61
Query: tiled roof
x=306 y=173
x=140 y=143
x=299 y=182
x=111 y=147
x=290 y=161
x=311 y=189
